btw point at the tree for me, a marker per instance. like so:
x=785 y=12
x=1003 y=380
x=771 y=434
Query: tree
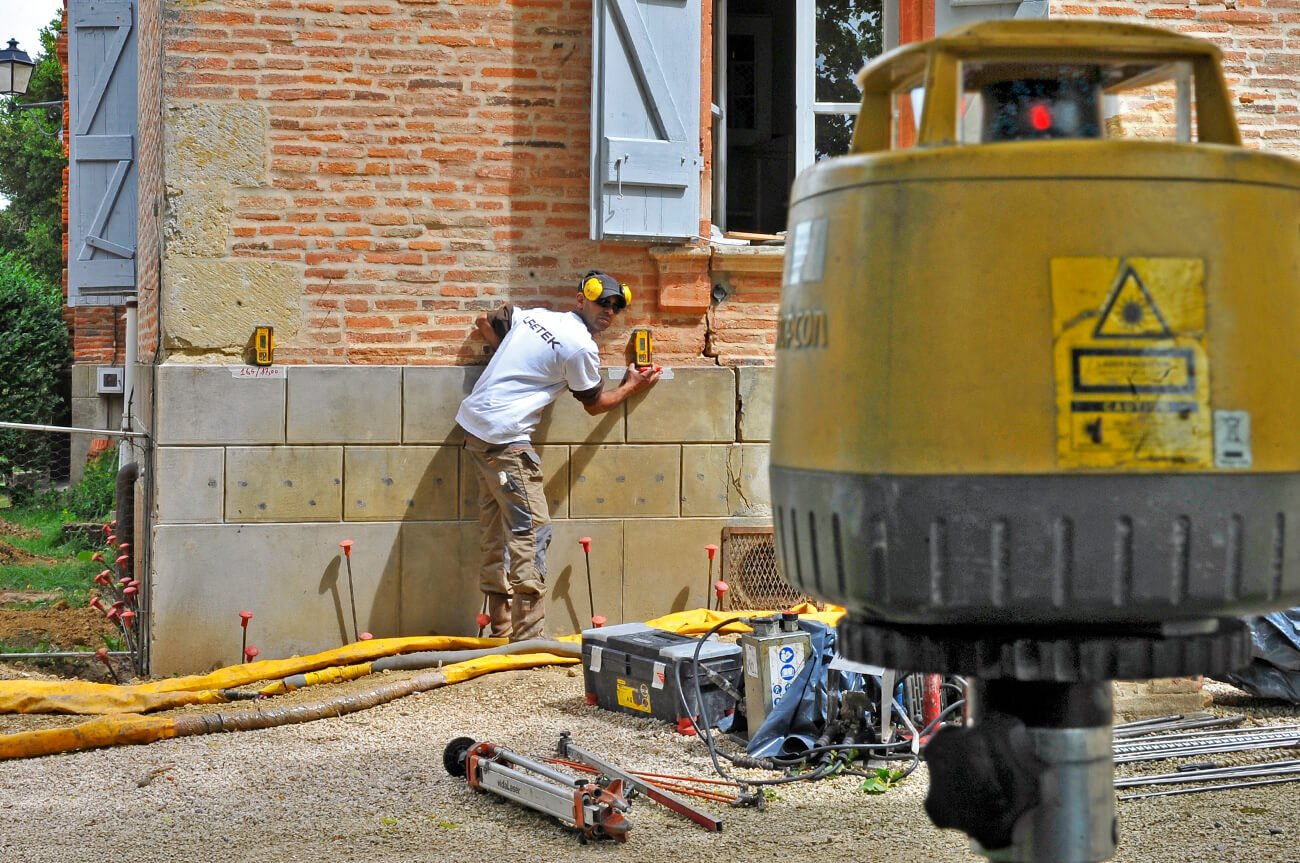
x=32 y=159
x=849 y=33
x=33 y=352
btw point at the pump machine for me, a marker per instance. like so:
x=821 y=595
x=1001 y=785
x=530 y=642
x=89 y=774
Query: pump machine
x=1035 y=420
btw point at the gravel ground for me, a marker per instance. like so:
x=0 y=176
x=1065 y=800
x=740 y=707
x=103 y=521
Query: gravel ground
x=371 y=786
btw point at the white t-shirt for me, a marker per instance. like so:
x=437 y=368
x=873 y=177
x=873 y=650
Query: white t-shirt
x=543 y=354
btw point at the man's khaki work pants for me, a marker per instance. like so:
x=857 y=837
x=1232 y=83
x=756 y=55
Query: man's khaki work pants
x=514 y=532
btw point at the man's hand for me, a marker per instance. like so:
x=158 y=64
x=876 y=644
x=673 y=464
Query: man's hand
x=638 y=380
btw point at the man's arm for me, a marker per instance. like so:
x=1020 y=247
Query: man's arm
x=634 y=381
x=493 y=327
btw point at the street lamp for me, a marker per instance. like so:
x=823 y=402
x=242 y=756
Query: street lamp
x=15 y=70
x=15 y=74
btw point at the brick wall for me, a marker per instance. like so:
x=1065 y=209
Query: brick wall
x=1258 y=40
x=417 y=165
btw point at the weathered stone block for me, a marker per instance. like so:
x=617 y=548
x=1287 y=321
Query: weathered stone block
x=568 y=609
x=206 y=405
x=343 y=404
x=755 y=385
x=412 y=483
x=431 y=396
x=192 y=486
x=197 y=224
x=726 y=480
x=440 y=594
x=292 y=576
x=697 y=406
x=705 y=490
x=83 y=380
x=625 y=481
x=213 y=305
x=666 y=568
x=214 y=145
x=555 y=467
x=284 y=483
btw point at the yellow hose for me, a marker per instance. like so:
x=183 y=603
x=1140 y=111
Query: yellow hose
x=345 y=663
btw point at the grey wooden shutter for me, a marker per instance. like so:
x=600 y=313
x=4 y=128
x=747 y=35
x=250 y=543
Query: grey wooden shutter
x=645 y=141
x=102 y=197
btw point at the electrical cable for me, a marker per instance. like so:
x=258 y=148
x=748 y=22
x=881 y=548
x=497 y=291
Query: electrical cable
x=833 y=766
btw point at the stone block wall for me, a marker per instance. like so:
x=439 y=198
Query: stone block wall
x=260 y=478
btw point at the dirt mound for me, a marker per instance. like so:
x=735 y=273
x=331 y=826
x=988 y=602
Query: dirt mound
x=10 y=555
x=10 y=529
x=53 y=629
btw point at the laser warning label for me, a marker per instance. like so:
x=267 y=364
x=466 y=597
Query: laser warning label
x=1132 y=372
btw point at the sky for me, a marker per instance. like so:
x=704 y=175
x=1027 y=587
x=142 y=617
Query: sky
x=23 y=20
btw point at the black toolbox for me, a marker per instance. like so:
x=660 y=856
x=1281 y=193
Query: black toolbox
x=634 y=668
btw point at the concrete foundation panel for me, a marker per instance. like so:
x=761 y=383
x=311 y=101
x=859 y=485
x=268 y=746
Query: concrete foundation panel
x=414 y=483
x=206 y=405
x=697 y=406
x=568 y=609
x=292 y=577
x=625 y=481
x=440 y=594
x=288 y=483
x=431 y=396
x=343 y=404
x=754 y=385
x=192 y=484
x=667 y=567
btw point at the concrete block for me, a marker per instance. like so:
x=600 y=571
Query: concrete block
x=83 y=380
x=697 y=406
x=726 y=480
x=343 y=404
x=206 y=405
x=705 y=490
x=568 y=609
x=754 y=386
x=431 y=395
x=749 y=491
x=392 y=483
x=213 y=305
x=567 y=421
x=192 y=485
x=665 y=566
x=555 y=467
x=292 y=576
x=440 y=594
x=284 y=483
x=625 y=481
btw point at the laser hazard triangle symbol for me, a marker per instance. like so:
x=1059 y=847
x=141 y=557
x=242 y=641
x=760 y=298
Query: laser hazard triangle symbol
x=1130 y=312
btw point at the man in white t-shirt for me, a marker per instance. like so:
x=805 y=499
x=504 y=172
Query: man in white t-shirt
x=538 y=355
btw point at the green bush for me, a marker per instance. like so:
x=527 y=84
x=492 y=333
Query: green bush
x=92 y=499
x=33 y=352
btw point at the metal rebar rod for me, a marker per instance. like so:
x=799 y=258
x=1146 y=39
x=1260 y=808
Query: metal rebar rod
x=1287 y=743
x=70 y=430
x=1244 y=771
x=1206 y=722
x=1194 y=737
x=1200 y=788
x=1154 y=720
x=60 y=654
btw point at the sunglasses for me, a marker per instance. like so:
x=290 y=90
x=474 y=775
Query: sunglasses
x=610 y=303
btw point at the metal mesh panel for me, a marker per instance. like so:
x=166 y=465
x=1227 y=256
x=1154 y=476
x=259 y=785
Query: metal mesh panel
x=749 y=566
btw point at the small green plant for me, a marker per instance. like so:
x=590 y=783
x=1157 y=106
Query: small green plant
x=881 y=780
x=92 y=498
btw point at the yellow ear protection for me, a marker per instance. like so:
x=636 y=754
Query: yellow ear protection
x=592 y=288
